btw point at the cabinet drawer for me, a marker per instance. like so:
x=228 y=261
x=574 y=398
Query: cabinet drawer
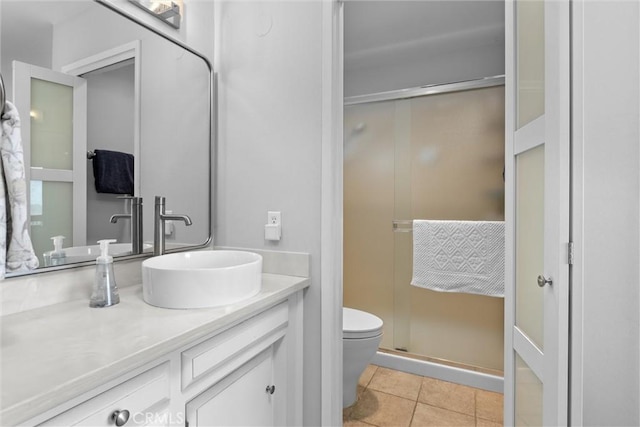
x=143 y=396
x=230 y=349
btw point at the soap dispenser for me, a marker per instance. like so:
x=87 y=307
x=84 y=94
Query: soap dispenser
x=105 y=290
x=57 y=256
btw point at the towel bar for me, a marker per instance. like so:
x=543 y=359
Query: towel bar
x=402 y=225
x=90 y=155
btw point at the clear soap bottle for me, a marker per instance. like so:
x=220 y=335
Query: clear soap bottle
x=57 y=256
x=105 y=290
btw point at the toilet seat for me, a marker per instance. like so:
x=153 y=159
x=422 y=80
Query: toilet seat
x=358 y=324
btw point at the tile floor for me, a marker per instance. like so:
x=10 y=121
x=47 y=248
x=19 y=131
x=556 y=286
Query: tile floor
x=392 y=398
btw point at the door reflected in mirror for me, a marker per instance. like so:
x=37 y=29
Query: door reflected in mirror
x=86 y=80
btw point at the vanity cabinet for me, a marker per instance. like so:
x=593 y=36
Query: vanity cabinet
x=245 y=367
x=246 y=372
x=134 y=402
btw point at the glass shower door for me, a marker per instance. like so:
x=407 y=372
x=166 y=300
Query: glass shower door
x=428 y=157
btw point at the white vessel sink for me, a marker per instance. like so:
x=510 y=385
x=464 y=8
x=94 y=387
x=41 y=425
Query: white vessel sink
x=201 y=279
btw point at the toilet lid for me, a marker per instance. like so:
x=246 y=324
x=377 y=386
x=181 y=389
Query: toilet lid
x=360 y=324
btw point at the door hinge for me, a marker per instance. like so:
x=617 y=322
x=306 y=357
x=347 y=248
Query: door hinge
x=570 y=253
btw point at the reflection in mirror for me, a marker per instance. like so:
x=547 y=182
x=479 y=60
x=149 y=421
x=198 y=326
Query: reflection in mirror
x=87 y=80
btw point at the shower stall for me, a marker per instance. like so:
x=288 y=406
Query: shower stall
x=436 y=153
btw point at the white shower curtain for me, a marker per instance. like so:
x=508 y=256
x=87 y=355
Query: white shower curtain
x=16 y=250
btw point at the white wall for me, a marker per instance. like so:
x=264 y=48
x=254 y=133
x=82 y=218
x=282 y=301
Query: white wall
x=607 y=205
x=269 y=60
x=393 y=45
x=26 y=44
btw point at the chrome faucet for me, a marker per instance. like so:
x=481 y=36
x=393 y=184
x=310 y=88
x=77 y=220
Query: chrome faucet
x=136 y=223
x=158 y=224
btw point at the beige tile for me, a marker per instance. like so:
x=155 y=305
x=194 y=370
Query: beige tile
x=382 y=409
x=489 y=406
x=443 y=394
x=486 y=423
x=427 y=415
x=366 y=376
x=397 y=383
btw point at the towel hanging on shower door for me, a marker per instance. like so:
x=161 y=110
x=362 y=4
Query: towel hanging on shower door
x=16 y=250
x=459 y=256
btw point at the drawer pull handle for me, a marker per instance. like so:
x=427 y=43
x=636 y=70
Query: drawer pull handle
x=120 y=418
x=271 y=389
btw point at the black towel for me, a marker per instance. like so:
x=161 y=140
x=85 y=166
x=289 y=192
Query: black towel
x=113 y=172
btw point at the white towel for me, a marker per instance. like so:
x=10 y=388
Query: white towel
x=459 y=256
x=16 y=251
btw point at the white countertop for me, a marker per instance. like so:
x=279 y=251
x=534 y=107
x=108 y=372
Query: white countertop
x=52 y=354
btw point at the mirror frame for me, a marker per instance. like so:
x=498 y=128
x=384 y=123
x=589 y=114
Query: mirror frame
x=211 y=142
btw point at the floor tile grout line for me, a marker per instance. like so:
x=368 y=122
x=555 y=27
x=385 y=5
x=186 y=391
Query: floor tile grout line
x=450 y=410
x=415 y=405
x=413 y=413
x=475 y=406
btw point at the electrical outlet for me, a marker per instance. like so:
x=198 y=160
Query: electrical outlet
x=273 y=218
x=273 y=228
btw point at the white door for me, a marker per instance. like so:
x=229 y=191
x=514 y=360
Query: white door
x=537 y=213
x=53 y=108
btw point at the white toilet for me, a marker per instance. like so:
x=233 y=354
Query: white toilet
x=361 y=335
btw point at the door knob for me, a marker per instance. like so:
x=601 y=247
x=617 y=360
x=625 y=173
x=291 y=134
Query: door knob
x=120 y=418
x=271 y=389
x=544 y=281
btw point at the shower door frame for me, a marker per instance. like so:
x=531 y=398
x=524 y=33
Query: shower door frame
x=435 y=89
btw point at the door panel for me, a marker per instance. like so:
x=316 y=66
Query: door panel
x=53 y=106
x=530 y=61
x=537 y=212
x=530 y=243
x=528 y=395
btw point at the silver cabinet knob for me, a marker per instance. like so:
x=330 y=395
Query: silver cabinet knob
x=544 y=281
x=271 y=389
x=120 y=418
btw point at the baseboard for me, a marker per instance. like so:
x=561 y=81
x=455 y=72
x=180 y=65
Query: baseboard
x=441 y=372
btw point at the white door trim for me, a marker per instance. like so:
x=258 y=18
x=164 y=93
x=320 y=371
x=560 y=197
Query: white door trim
x=331 y=215
x=557 y=212
x=527 y=138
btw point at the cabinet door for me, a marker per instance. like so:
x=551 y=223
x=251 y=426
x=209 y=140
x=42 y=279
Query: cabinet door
x=243 y=398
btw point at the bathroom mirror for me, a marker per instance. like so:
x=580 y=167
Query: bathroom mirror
x=145 y=95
